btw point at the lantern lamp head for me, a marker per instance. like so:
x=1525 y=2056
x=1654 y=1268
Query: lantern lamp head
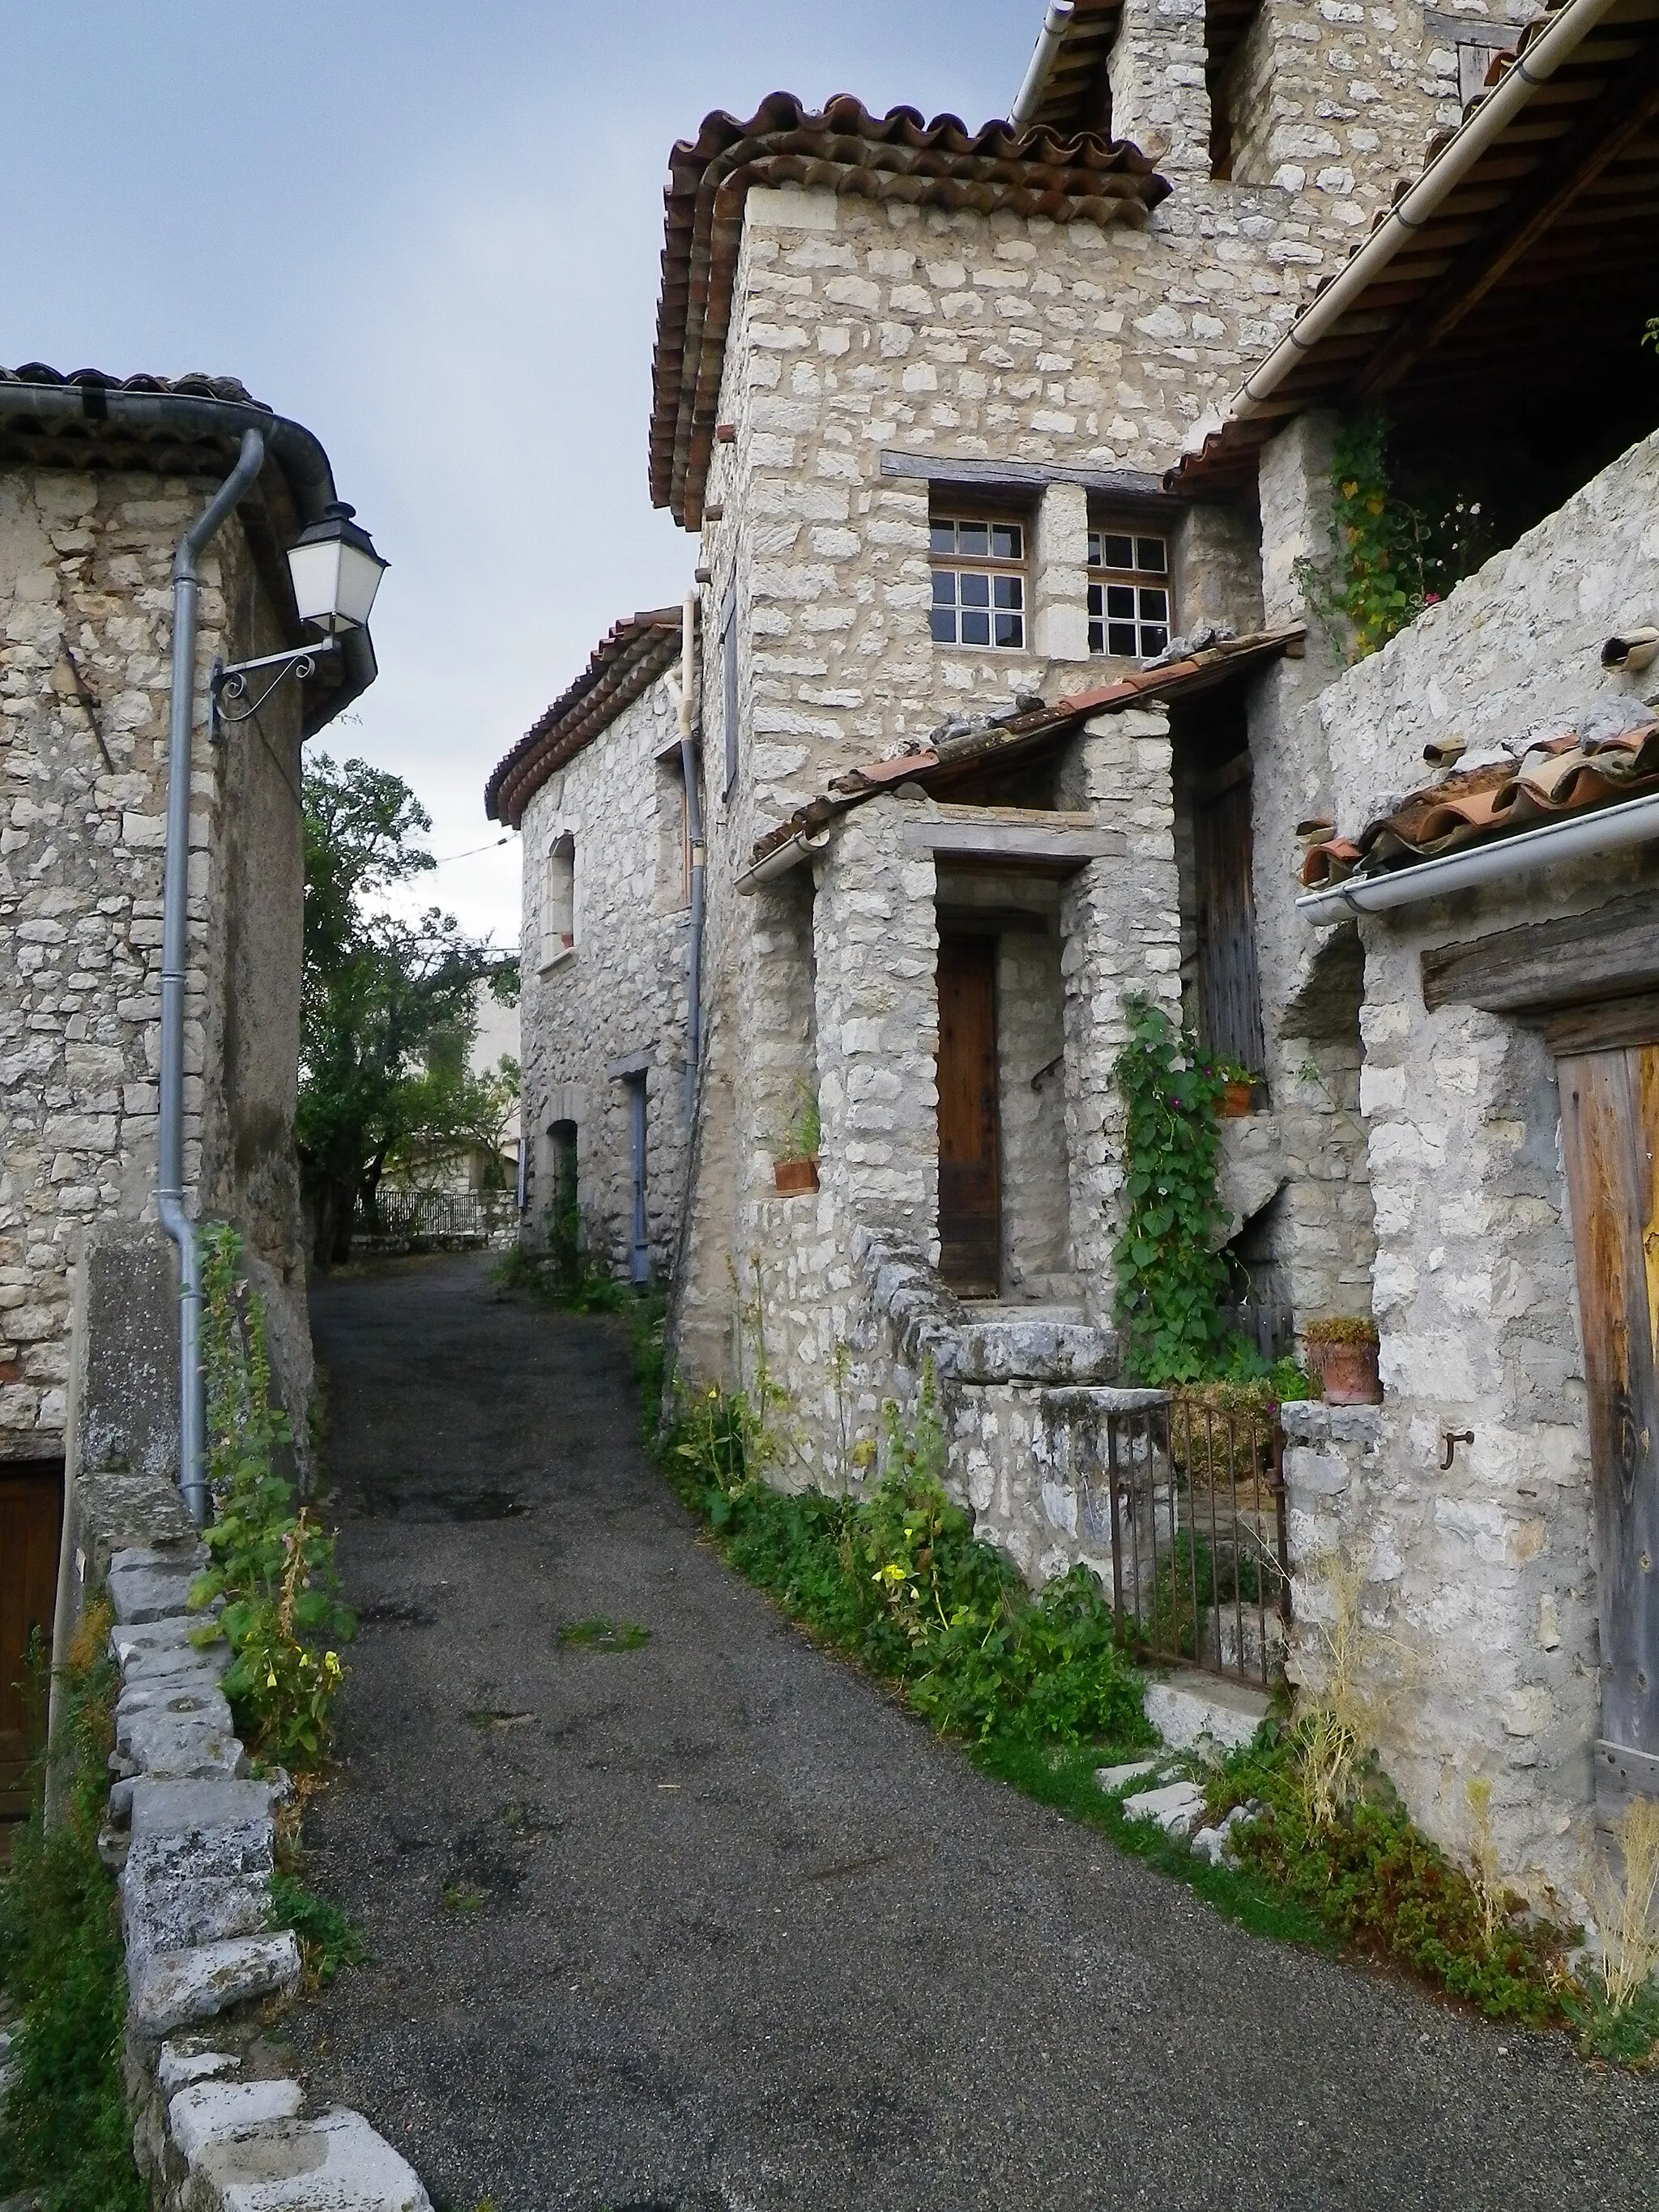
x=335 y=571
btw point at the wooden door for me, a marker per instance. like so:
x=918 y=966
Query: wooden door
x=1229 y=983
x=970 y=1180
x=31 y=1519
x=1610 y=1120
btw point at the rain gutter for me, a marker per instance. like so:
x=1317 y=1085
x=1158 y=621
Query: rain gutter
x=1583 y=836
x=690 y=720
x=1496 y=111
x=1044 y=55
x=157 y=415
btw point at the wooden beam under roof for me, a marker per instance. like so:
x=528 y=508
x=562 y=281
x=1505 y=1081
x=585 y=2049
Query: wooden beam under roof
x=1587 y=149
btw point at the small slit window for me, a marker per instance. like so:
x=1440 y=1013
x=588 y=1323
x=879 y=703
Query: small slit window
x=1130 y=609
x=559 y=899
x=979 y=582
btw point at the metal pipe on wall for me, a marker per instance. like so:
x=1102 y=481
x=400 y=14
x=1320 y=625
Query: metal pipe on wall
x=175 y=916
x=1029 y=98
x=689 y=720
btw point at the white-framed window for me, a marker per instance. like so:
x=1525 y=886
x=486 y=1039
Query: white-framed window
x=979 y=581
x=559 y=898
x=1129 y=608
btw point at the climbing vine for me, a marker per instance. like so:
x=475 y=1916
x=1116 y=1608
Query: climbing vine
x=272 y=1566
x=1170 y=1282
x=1376 y=580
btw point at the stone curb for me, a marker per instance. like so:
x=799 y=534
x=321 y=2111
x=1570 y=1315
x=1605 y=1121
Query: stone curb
x=194 y=1838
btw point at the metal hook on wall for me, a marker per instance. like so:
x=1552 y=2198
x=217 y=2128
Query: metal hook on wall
x=1450 y=1440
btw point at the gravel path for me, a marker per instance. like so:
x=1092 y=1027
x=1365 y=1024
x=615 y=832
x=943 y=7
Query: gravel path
x=725 y=1928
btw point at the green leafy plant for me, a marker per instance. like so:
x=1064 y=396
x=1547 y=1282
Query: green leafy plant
x=327 y=1940
x=1373 y=585
x=63 y=2126
x=1341 y=1328
x=1170 y=1284
x=602 y=1635
x=897 y=1579
x=800 y=1140
x=271 y=1566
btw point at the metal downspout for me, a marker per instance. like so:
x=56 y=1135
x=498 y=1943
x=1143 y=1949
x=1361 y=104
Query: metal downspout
x=688 y=718
x=1050 y=38
x=175 y=915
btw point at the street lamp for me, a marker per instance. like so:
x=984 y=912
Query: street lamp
x=336 y=572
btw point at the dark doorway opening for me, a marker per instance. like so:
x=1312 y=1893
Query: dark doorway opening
x=31 y=1521
x=970 y=1179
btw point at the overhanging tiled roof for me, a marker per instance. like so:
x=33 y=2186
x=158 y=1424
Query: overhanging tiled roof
x=845 y=150
x=1078 y=95
x=945 y=761
x=624 y=664
x=1547 y=781
x=1539 y=258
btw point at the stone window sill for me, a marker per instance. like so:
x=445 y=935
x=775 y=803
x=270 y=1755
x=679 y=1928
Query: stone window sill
x=558 y=959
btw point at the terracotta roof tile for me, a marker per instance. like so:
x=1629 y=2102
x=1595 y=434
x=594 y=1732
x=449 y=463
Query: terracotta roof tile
x=843 y=149
x=622 y=666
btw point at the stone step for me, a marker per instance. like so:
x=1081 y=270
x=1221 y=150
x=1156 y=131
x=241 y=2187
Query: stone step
x=1203 y=1712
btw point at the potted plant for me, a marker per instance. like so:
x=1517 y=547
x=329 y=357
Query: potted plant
x=1342 y=1349
x=795 y=1163
x=1237 y=1090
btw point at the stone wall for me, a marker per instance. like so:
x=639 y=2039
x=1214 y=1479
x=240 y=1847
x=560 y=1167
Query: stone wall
x=84 y=570
x=610 y=1008
x=1482 y=1575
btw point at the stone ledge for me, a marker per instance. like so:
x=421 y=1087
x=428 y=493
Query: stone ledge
x=195 y=1890
x=1311 y=1421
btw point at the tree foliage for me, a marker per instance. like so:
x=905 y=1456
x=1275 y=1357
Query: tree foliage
x=389 y=1014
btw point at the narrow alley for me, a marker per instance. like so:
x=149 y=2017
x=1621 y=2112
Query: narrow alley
x=711 y=1923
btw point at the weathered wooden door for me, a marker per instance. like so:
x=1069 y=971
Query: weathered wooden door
x=638 y=1242
x=31 y=1514
x=969 y=1181
x=1610 y=1121
x=1229 y=983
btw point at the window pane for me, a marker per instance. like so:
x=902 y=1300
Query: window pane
x=1154 y=606
x=974 y=591
x=1120 y=638
x=1153 y=638
x=1096 y=600
x=1008 y=592
x=1154 y=555
x=1119 y=552
x=945 y=587
x=942 y=536
x=1097 y=558
x=975 y=628
x=1011 y=629
x=942 y=622
x=1120 y=601
x=1005 y=541
x=1097 y=637
x=975 y=538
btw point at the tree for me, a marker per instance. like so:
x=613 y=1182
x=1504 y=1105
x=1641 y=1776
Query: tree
x=388 y=1011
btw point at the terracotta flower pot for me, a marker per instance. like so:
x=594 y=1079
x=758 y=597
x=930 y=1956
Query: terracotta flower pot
x=793 y=1175
x=1348 y=1374
x=1237 y=1100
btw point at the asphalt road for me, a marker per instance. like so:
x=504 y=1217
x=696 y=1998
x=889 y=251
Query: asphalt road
x=710 y=1923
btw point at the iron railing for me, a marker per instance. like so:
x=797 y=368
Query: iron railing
x=438 y=1216
x=1191 y=1502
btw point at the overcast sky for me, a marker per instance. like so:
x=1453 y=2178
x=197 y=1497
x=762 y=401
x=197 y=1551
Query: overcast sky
x=431 y=232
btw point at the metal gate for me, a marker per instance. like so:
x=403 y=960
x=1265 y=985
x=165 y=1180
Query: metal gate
x=1193 y=1504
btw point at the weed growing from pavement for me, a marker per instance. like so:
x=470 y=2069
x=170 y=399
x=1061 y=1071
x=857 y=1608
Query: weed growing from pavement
x=563 y=1279
x=327 y=1940
x=63 y=2126
x=602 y=1635
x=463 y=1897
x=271 y=1565
x=897 y=1579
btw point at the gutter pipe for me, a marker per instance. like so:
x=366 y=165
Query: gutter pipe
x=1029 y=98
x=687 y=720
x=1583 y=836
x=54 y=409
x=789 y=854
x=1496 y=111
x=175 y=900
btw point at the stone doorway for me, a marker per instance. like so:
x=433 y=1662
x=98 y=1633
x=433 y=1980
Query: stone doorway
x=969 y=1142
x=30 y=1519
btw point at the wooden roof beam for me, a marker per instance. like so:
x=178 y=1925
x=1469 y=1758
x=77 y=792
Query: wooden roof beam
x=1594 y=143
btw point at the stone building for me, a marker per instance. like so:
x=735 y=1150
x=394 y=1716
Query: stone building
x=1010 y=483
x=99 y=481
x=596 y=789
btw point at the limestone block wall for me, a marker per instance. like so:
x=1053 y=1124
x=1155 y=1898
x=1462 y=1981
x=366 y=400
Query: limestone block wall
x=84 y=570
x=610 y=1007
x=1482 y=1574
